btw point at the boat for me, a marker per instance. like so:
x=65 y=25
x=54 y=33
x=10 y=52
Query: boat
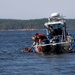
x=61 y=42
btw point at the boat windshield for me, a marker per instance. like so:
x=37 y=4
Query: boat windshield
x=56 y=26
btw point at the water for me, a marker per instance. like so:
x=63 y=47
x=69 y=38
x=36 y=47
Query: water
x=14 y=62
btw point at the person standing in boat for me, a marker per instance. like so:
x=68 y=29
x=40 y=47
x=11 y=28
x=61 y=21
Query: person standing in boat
x=43 y=40
x=70 y=40
x=39 y=37
x=48 y=33
x=35 y=43
x=33 y=38
x=52 y=33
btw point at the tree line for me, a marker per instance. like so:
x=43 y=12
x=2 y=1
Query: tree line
x=6 y=24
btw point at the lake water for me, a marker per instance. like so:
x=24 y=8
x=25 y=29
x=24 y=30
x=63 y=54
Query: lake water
x=14 y=62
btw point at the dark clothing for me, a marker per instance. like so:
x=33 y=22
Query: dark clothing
x=56 y=32
x=36 y=40
x=52 y=34
x=42 y=36
x=59 y=31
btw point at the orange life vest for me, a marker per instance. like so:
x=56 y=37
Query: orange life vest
x=40 y=49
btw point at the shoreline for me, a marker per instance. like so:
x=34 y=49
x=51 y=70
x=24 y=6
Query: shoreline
x=30 y=29
x=21 y=29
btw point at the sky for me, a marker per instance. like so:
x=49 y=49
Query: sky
x=35 y=9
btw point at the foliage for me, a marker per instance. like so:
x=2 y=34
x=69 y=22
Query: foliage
x=6 y=24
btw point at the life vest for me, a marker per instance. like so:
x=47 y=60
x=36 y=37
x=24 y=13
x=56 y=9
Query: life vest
x=40 y=34
x=39 y=49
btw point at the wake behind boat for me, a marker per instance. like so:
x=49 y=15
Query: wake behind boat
x=57 y=40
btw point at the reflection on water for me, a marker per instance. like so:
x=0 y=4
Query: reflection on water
x=14 y=62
